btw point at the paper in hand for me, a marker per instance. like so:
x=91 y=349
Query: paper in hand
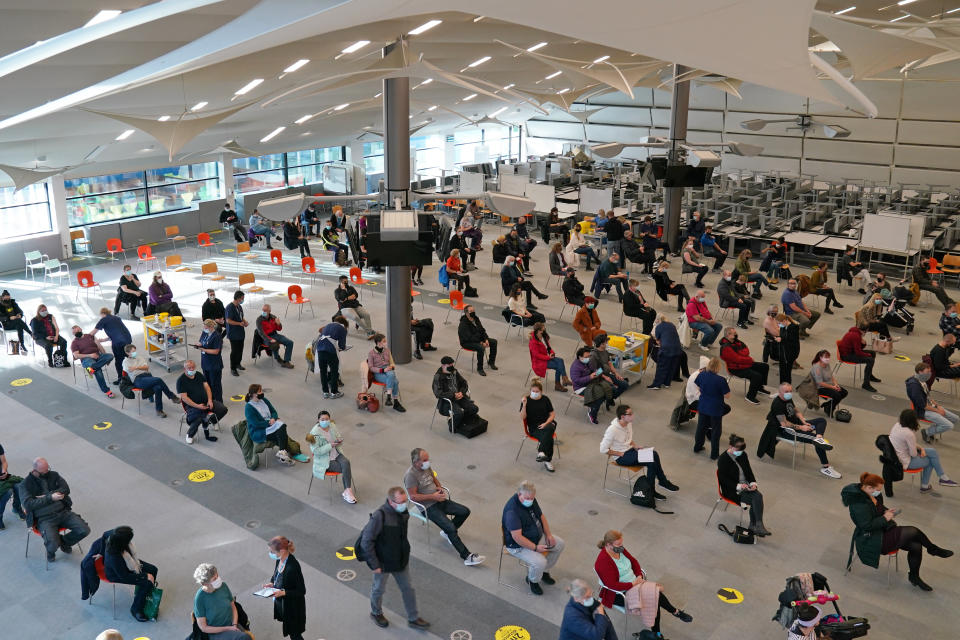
x=266 y=592
x=645 y=455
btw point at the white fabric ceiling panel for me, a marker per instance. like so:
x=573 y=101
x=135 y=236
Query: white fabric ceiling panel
x=925 y=177
x=885 y=95
x=845 y=151
x=641 y=98
x=938 y=133
x=772 y=145
x=844 y=171
x=928 y=157
x=734 y=118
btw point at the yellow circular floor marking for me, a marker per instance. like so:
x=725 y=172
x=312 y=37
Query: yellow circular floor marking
x=21 y=382
x=901 y=358
x=512 y=632
x=444 y=300
x=237 y=398
x=102 y=426
x=346 y=553
x=228 y=250
x=142 y=638
x=201 y=475
x=730 y=595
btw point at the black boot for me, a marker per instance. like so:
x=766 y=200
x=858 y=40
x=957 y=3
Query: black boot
x=915 y=580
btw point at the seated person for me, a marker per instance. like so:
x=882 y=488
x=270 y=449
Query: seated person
x=821 y=372
x=264 y=425
x=650 y=233
x=949 y=321
x=818 y=287
x=260 y=226
x=452 y=391
x=138 y=372
x=473 y=337
x=542 y=357
x=558 y=262
x=122 y=566
x=229 y=216
x=338 y=219
x=198 y=403
x=771 y=262
x=903 y=437
x=870 y=317
x=423 y=486
x=511 y=276
x=456 y=273
x=527 y=243
x=326 y=444
x=572 y=288
x=331 y=242
x=620 y=571
x=11 y=318
x=617 y=443
x=309 y=219
x=577 y=245
x=91 y=355
x=350 y=307
x=517 y=307
x=691 y=262
x=538 y=414
x=462 y=243
x=923 y=280
x=587 y=321
x=785 y=421
x=940 y=418
x=711 y=248
x=128 y=292
x=213 y=309
x=518 y=249
x=294 y=237
x=380 y=361
x=851 y=350
x=635 y=306
x=739 y=485
x=214 y=606
x=45 y=497
x=269 y=326
x=698 y=315
x=851 y=268
x=556 y=226
x=796 y=308
x=633 y=251
x=422 y=330
x=600 y=361
x=594 y=389
x=736 y=355
x=528 y=538
x=742 y=267
x=500 y=250
x=667 y=287
x=161 y=297
x=731 y=298
x=943 y=367
x=46 y=332
x=609 y=275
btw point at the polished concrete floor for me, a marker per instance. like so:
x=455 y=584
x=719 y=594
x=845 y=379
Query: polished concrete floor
x=135 y=472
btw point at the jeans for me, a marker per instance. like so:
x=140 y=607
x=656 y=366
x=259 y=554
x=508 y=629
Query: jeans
x=757 y=375
x=5 y=497
x=619 y=386
x=341 y=465
x=287 y=346
x=328 y=365
x=97 y=364
x=589 y=252
x=406 y=590
x=537 y=563
x=390 y=380
x=805 y=322
x=155 y=385
x=359 y=316
x=941 y=423
x=709 y=332
x=715 y=426
x=236 y=353
x=819 y=428
x=929 y=463
x=480 y=349
x=262 y=230
x=753 y=499
x=939 y=292
x=50 y=530
x=757 y=279
x=440 y=513
x=654 y=469
x=559 y=370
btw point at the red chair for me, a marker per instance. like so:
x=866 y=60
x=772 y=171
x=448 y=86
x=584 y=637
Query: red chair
x=333 y=477
x=720 y=499
x=527 y=436
x=36 y=531
x=414 y=294
x=456 y=304
x=933 y=270
x=856 y=365
x=308 y=267
x=85 y=281
x=276 y=257
x=114 y=245
x=295 y=296
x=98 y=566
x=145 y=256
x=204 y=242
x=356 y=277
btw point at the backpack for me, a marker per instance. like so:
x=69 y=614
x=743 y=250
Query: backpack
x=60 y=358
x=357 y=549
x=643 y=494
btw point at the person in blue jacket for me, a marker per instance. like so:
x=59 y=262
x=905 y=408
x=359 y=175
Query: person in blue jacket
x=670 y=354
x=584 y=618
x=264 y=424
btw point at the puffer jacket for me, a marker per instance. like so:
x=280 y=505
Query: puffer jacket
x=868 y=534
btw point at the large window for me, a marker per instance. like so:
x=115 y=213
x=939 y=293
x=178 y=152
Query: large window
x=429 y=155
x=140 y=193
x=373 y=157
x=485 y=145
x=24 y=212
x=278 y=170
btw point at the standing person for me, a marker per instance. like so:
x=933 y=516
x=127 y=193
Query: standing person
x=325 y=442
x=739 y=485
x=537 y=411
x=233 y=316
x=118 y=335
x=138 y=371
x=289 y=596
x=265 y=425
x=11 y=318
x=214 y=606
x=128 y=292
x=88 y=351
x=617 y=443
x=903 y=437
x=211 y=360
x=789 y=346
x=349 y=304
x=635 y=306
x=614 y=230
x=122 y=566
x=940 y=418
x=213 y=309
x=696 y=226
x=698 y=315
x=670 y=353
x=161 y=297
x=229 y=216
x=713 y=391
x=850 y=349
x=528 y=538
x=386 y=551
x=9 y=489
x=380 y=362
x=268 y=328
x=651 y=233
x=794 y=307
x=46 y=332
x=542 y=357
x=584 y=617
x=198 y=403
x=46 y=501
x=736 y=355
x=818 y=287
x=326 y=350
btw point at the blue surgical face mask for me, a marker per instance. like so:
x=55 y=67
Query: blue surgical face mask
x=879 y=301
x=782 y=325
x=701 y=300
x=737 y=453
x=324 y=424
x=527 y=503
x=205 y=330
x=591 y=306
x=265 y=314
x=274 y=556
x=400 y=507
x=588 y=602
x=190 y=373
x=953 y=314
x=876 y=494
x=787 y=396
x=133 y=354
x=585 y=360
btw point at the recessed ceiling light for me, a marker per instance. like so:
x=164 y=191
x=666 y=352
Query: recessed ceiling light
x=341 y=107
x=199 y=105
x=163 y=118
x=470 y=97
x=509 y=86
x=903 y=17
x=103 y=16
x=843 y=11
x=296 y=65
x=126 y=134
x=303 y=119
x=424 y=27
x=479 y=18
x=553 y=75
x=425 y=82
x=432 y=108
x=272 y=134
x=563 y=91
x=539 y=45
x=250 y=86
x=498 y=112
x=356 y=46
x=146 y=149
x=601 y=59
x=477 y=63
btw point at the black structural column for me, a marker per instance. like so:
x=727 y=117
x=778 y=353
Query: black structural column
x=396 y=157
x=673 y=196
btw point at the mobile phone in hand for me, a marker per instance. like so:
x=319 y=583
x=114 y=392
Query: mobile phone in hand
x=897 y=512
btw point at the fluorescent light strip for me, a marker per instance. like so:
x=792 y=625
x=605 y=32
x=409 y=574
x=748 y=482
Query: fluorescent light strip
x=509 y=86
x=126 y=134
x=905 y=2
x=843 y=11
x=296 y=65
x=903 y=17
x=103 y=16
x=378 y=95
x=563 y=91
x=303 y=119
x=273 y=134
x=498 y=112
x=553 y=75
x=426 y=26
x=199 y=105
x=470 y=97
x=356 y=46
x=163 y=118
x=477 y=63
x=539 y=45
x=341 y=107
x=250 y=86
x=479 y=18
x=433 y=108
x=601 y=59
x=952 y=11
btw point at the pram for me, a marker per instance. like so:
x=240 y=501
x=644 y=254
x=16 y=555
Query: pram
x=812 y=588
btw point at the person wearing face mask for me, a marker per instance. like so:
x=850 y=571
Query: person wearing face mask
x=197 y=400
x=542 y=357
x=9 y=489
x=264 y=425
x=670 y=353
x=229 y=216
x=742 y=267
x=584 y=618
x=739 y=363
x=870 y=317
x=516 y=247
x=903 y=437
x=386 y=551
x=349 y=304
x=600 y=361
x=11 y=318
x=128 y=292
x=309 y=218
x=794 y=307
x=940 y=418
x=714 y=391
x=590 y=384
x=617 y=444
x=89 y=352
x=696 y=226
x=326 y=444
x=451 y=390
x=921 y=277
x=711 y=248
x=851 y=349
x=635 y=306
x=876 y=533
x=215 y=610
x=771 y=335
x=528 y=538
x=161 y=297
x=577 y=245
x=609 y=275
x=821 y=371
x=537 y=412
x=46 y=332
x=730 y=299
x=122 y=566
x=211 y=360
x=698 y=315
x=620 y=571
x=45 y=496
x=383 y=369
x=235 y=323
x=331 y=242
x=818 y=287
x=739 y=485
x=260 y=226
x=289 y=589
x=784 y=421
x=789 y=346
x=586 y=322
x=117 y=334
x=949 y=321
x=572 y=288
x=666 y=287
x=511 y=276
x=268 y=329
x=462 y=242
x=326 y=349
x=691 y=262
x=137 y=369
x=213 y=309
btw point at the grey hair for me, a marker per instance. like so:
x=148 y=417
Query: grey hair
x=527 y=487
x=773 y=307
x=204 y=573
x=415 y=455
x=129 y=348
x=578 y=588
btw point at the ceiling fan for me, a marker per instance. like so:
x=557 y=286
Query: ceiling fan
x=804 y=123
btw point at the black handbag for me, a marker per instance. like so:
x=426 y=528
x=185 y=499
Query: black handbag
x=842 y=415
x=740 y=535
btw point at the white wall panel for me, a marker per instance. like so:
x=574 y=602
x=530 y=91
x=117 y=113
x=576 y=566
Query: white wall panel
x=931 y=101
x=928 y=157
x=925 y=132
x=843 y=171
x=922 y=177
x=844 y=151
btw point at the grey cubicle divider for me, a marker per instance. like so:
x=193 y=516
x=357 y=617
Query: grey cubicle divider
x=11 y=253
x=209 y=214
x=98 y=234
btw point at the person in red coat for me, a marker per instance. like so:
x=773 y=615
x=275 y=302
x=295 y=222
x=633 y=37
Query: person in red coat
x=851 y=350
x=542 y=358
x=620 y=571
x=736 y=355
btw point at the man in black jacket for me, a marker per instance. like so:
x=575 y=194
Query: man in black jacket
x=696 y=227
x=635 y=306
x=517 y=248
x=11 y=317
x=940 y=355
x=451 y=389
x=467 y=253
x=213 y=309
x=511 y=275
x=922 y=278
x=46 y=499
x=229 y=216
x=730 y=299
x=386 y=551
x=738 y=484
x=572 y=288
x=474 y=338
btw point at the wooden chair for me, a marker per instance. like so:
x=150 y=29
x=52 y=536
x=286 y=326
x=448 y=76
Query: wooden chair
x=249 y=278
x=951 y=266
x=78 y=237
x=295 y=296
x=211 y=271
x=115 y=245
x=85 y=281
x=145 y=256
x=175 y=262
x=173 y=235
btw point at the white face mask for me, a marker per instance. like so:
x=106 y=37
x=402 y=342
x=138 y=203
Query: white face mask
x=217 y=583
x=534 y=395
x=425 y=465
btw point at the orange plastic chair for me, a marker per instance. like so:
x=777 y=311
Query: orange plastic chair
x=933 y=267
x=951 y=265
x=295 y=296
x=527 y=436
x=173 y=234
x=204 y=242
x=36 y=532
x=85 y=281
x=456 y=304
x=720 y=499
x=210 y=269
x=356 y=277
x=276 y=257
x=413 y=294
x=308 y=266
x=145 y=256
x=115 y=245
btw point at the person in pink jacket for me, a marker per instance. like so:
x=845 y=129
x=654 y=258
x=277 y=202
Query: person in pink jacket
x=542 y=357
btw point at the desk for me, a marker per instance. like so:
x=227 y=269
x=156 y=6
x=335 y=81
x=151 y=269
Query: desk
x=567 y=207
x=803 y=238
x=565 y=215
x=836 y=243
x=908 y=257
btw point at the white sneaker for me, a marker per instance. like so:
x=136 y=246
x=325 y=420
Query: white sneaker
x=703 y=348
x=541 y=456
x=548 y=466
x=820 y=440
x=188 y=440
x=348 y=499
x=473 y=559
x=285 y=458
x=830 y=472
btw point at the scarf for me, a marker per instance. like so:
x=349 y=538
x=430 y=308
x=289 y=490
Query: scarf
x=130 y=558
